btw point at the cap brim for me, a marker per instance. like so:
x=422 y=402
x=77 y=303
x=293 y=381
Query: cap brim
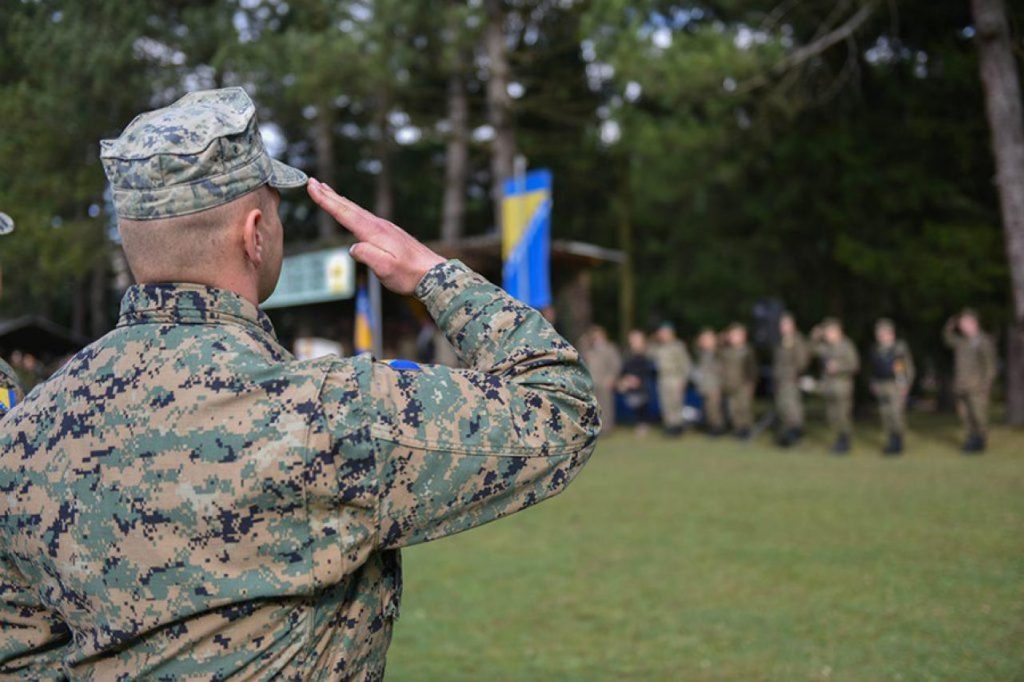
x=283 y=176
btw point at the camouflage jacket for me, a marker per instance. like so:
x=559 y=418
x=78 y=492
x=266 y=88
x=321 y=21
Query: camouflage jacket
x=790 y=358
x=739 y=367
x=708 y=375
x=10 y=388
x=975 y=361
x=671 y=360
x=185 y=501
x=840 y=362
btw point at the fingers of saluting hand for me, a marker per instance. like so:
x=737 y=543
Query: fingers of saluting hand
x=364 y=225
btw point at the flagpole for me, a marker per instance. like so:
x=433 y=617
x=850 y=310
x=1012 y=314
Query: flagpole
x=376 y=321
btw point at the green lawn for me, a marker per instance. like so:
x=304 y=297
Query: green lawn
x=708 y=559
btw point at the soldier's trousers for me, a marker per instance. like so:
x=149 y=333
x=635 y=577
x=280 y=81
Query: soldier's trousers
x=972 y=406
x=606 y=400
x=670 y=397
x=741 y=407
x=789 y=404
x=839 y=408
x=712 y=398
x=891 y=406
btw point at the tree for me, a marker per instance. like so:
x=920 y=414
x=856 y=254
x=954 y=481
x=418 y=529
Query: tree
x=1001 y=81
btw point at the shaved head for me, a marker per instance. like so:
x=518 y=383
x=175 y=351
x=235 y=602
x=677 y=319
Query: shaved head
x=205 y=247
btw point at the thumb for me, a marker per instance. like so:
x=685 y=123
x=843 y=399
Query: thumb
x=374 y=257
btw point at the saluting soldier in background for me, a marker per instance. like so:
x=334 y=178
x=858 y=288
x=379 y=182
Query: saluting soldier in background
x=10 y=387
x=672 y=362
x=839 y=364
x=892 y=375
x=708 y=378
x=739 y=378
x=974 y=372
x=790 y=358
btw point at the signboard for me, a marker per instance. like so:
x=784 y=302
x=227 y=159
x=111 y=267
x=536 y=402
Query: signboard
x=315 y=277
x=526 y=237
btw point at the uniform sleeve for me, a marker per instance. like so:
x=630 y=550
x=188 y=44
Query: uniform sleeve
x=456 y=448
x=802 y=352
x=687 y=360
x=750 y=371
x=33 y=639
x=910 y=370
x=949 y=335
x=991 y=361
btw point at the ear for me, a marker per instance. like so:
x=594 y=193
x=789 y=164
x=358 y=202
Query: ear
x=253 y=238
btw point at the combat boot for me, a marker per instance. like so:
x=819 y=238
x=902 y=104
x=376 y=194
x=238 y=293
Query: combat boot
x=973 y=445
x=894 y=447
x=842 y=445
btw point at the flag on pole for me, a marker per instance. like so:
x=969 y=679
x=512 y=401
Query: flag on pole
x=526 y=237
x=364 y=327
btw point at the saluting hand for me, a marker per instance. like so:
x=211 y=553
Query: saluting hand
x=398 y=258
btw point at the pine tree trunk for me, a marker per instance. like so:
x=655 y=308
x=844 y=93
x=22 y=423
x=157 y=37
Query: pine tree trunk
x=384 y=191
x=503 y=148
x=323 y=146
x=1001 y=82
x=453 y=209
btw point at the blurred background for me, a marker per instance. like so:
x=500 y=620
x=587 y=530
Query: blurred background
x=706 y=159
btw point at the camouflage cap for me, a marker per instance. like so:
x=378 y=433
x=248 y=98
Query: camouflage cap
x=200 y=152
x=6 y=224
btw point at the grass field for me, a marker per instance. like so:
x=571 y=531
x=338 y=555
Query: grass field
x=709 y=559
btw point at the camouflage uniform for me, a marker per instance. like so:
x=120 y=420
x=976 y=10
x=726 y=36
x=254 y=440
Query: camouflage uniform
x=790 y=358
x=837 y=383
x=975 y=364
x=672 y=361
x=709 y=384
x=185 y=500
x=739 y=378
x=892 y=374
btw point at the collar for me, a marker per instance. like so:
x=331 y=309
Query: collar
x=177 y=303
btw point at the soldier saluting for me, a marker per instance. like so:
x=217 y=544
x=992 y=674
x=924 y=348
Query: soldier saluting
x=185 y=500
x=974 y=372
x=892 y=375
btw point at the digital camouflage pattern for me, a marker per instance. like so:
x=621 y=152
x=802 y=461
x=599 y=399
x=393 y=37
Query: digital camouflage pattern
x=790 y=358
x=200 y=152
x=975 y=367
x=707 y=377
x=11 y=392
x=739 y=379
x=892 y=375
x=672 y=362
x=184 y=500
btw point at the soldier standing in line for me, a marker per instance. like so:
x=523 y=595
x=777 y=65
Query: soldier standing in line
x=185 y=500
x=739 y=379
x=708 y=378
x=672 y=362
x=975 y=366
x=839 y=364
x=892 y=375
x=11 y=392
x=603 y=360
x=790 y=358
x=638 y=381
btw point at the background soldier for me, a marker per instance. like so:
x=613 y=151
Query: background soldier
x=739 y=378
x=672 y=362
x=790 y=358
x=708 y=377
x=892 y=375
x=194 y=503
x=839 y=364
x=605 y=363
x=10 y=388
x=974 y=372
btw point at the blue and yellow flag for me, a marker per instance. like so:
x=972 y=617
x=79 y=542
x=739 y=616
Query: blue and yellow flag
x=8 y=399
x=364 y=326
x=526 y=238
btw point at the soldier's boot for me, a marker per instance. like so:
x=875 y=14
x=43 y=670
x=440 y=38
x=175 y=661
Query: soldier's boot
x=895 y=445
x=973 y=445
x=842 y=445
